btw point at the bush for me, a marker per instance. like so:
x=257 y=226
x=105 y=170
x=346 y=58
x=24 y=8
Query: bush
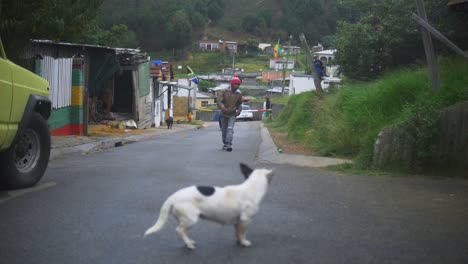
x=204 y=85
x=347 y=121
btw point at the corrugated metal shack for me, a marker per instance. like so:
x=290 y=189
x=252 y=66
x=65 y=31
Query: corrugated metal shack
x=91 y=84
x=134 y=74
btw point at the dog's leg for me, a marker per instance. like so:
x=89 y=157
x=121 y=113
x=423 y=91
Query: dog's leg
x=241 y=233
x=187 y=216
x=182 y=232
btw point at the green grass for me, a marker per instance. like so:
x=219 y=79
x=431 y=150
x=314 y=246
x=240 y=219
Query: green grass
x=214 y=62
x=347 y=121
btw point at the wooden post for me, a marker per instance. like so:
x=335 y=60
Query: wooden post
x=434 y=32
x=86 y=94
x=285 y=66
x=429 y=49
x=310 y=62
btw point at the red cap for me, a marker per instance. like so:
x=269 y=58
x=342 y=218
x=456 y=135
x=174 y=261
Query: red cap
x=235 y=80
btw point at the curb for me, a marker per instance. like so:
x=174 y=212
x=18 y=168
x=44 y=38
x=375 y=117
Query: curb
x=267 y=153
x=90 y=147
x=101 y=144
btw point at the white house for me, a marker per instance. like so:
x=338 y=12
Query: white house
x=280 y=64
x=292 y=50
x=299 y=83
x=263 y=46
x=209 y=45
x=328 y=57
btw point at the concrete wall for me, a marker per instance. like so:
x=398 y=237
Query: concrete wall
x=180 y=108
x=452 y=142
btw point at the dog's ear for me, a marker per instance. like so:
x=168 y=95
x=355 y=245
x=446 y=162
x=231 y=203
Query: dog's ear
x=246 y=170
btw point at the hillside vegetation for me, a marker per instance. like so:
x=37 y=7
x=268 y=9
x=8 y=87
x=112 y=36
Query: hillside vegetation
x=371 y=37
x=346 y=121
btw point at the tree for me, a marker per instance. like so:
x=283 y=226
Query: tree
x=178 y=31
x=154 y=22
x=314 y=18
x=380 y=35
x=22 y=20
x=366 y=47
x=118 y=36
x=253 y=24
x=215 y=10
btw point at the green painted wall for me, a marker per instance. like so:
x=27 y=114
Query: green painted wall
x=144 y=79
x=65 y=116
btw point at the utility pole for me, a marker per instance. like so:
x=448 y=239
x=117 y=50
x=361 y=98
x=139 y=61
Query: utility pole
x=310 y=62
x=429 y=49
x=233 y=60
x=284 y=66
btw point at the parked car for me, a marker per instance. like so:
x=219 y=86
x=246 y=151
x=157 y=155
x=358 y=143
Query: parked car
x=246 y=113
x=24 y=133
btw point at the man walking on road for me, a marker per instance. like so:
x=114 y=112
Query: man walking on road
x=230 y=103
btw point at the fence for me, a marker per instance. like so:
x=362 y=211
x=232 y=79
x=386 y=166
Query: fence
x=396 y=147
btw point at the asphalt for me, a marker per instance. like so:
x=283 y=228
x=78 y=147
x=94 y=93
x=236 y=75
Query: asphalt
x=267 y=152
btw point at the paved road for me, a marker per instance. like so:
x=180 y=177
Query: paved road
x=94 y=209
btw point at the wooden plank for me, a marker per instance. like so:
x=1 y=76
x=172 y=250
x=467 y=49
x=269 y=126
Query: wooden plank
x=429 y=49
x=454 y=2
x=439 y=36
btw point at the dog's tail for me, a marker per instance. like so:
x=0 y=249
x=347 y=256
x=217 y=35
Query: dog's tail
x=162 y=219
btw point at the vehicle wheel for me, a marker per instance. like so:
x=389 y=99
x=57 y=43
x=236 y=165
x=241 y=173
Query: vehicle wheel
x=26 y=161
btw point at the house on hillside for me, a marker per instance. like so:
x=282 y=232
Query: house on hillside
x=204 y=99
x=221 y=45
x=229 y=46
x=280 y=64
x=265 y=48
x=328 y=58
x=291 y=50
x=208 y=45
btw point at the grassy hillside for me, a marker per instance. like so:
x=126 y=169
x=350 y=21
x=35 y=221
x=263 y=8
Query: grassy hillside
x=230 y=26
x=346 y=121
x=235 y=9
x=213 y=62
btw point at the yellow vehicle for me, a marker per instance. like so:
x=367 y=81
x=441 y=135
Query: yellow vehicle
x=24 y=132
